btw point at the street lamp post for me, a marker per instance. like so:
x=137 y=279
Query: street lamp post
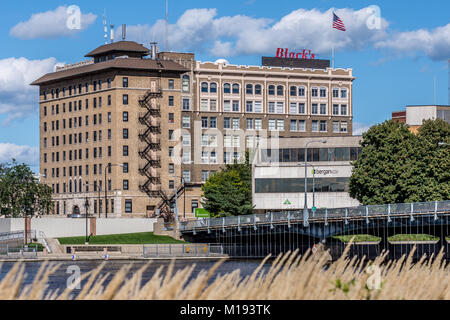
x=106 y=188
x=86 y=206
x=305 y=208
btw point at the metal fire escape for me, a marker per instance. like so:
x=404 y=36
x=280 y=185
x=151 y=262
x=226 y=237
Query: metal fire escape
x=150 y=137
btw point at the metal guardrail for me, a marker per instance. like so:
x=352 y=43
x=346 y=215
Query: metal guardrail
x=181 y=250
x=14 y=235
x=360 y=212
x=44 y=241
x=18 y=253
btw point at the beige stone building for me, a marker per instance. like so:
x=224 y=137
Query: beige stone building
x=156 y=124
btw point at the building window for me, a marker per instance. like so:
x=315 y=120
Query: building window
x=258 y=89
x=186 y=104
x=235 y=88
x=171 y=184
x=185 y=85
x=236 y=124
x=125 y=167
x=271 y=107
x=314 y=108
x=125 y=99
x=335 y=93
x=125 y=184
x=171 y=102
x=212 y=105
x=204 y=105
x=323 y=92
x=271 y=90
x=128 y=206
x=204 y=87
x=171 y=118
x=314 y=92
x=280 y=125
x=171 y=84
x=249 y=89
x=323 y=125
x=204 y=122
x=205 y=175
x=258 y=124
x=125 y=82
x=109 y=117
x=186 y=122
x=226 y=88
x=301 y=125
x=258 y=106
x=249 y=123
x=343 y=126
x=280 y=107
x=213 y=87
x=109 y=83
x=280 y=90
x=335 y=126
x=170 y=134
x=213 y=122
x=236 y=106
x=293 y=91
x=315 y=126
x=187 y=176
x=124 y=151
x=125 y=133
x=343 y=109
x=249 y=106
x=335 y=109
x=344 y=93
x=323 y=108
x=186 y=139
x=227 y=106
x=226 y=123
x=293 y=126
x=271 y=124
x=125 y=116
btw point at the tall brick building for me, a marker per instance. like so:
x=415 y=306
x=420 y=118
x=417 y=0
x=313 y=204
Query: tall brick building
x=158 y=124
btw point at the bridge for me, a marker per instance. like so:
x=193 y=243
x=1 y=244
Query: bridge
x=274 y=232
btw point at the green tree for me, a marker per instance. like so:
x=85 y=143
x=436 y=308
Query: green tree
x=21 y=194
x=386 y=171
x=229 y=192
x=435 y=160
x=397 y=166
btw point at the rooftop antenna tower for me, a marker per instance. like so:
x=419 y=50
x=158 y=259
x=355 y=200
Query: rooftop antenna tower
x=124 y=32
x=105 y=27
x=167 y=27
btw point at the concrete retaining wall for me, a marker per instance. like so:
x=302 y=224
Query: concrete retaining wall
x=60 y=227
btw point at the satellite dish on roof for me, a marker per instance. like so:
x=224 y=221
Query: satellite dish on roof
x=222 y=61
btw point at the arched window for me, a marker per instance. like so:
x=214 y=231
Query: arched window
x=258 y=89
x=235 y=88
x=271 y=90
x=301 y=91
x=293 y=91
x=204 y=86
x=280 y=90
x=185 y=85
x=213 y=87
x=249 y=89
x=226 y=88
x=80 y=186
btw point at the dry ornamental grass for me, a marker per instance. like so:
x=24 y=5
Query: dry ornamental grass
x=291 y=277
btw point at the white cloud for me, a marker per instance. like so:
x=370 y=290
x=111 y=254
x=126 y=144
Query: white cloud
x=359 y=128
x=202 y=30
x=50 y=24
x=435 y=43
x=17 y=98
x=23 y=154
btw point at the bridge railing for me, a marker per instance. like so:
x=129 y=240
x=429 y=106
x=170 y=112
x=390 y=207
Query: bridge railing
x=332 y=213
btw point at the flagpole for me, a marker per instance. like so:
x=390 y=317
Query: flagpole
x=332 y=41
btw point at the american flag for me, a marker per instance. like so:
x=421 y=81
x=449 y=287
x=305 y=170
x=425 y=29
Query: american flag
x=337 y=23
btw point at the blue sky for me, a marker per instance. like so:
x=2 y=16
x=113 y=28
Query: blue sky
x=394 y=65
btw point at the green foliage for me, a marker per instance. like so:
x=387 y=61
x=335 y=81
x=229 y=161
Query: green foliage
x=397 y=166
x=125 y=238
x=21 y=194
x=229 y=192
